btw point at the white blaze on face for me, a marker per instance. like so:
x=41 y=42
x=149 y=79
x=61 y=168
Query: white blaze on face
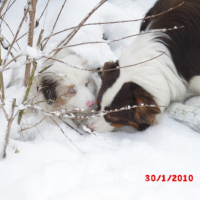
x=99 y=125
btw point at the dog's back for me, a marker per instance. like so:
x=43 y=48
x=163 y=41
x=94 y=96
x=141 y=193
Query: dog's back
x=184 y=43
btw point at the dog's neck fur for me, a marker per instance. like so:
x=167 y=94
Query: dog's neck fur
x=158 y=76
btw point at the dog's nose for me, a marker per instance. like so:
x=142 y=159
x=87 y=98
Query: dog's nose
x=90 y=127
x=90 y=103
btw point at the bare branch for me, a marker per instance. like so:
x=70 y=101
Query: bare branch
x=55 y=23
x=33 y=125
x=2 y=106
x=40 y=38
x=3 y=16
x=14 y=39
x=1 y=75
x=8 y=8
x=37 y=21
x=11 y=61
x=28 y=89
x=3 y=4
x=9 y=127
x=10 y=30
x=6 y=47
x=71 y=35
x=71 y=126
x=30 y=40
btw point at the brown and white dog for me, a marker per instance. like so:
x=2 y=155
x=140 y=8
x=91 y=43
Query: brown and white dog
x=170 y=77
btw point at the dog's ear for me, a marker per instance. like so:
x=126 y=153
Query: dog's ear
x=109 y=66
x=146 y=111
x=48 y=88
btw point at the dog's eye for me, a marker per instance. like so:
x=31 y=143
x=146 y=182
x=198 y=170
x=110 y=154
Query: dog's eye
x=86 y=84
x=72 y=91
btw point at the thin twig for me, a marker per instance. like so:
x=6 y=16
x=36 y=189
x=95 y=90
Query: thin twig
x=8 y=128
x=70 y=113
x=67 y=136
x=3 y=16
x=114 y=22
x=33 y=125
x=3 y=4
x=102 y=70
x=2 y=106
x=8 y=8
x=11 y=61
x=71 y=126
x=6 y=47
x=71 y=35
x=40 y=38
x=43 y=46
x=14 y=39
x=110 y=41
x=37 y=21
x=10 y=30
x=1 y=75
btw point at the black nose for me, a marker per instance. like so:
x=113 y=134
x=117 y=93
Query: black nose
x=143 y=127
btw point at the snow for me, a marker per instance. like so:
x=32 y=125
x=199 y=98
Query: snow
x=43 y=164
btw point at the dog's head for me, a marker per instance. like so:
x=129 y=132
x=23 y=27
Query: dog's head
x=116 y=93
x=68 y=88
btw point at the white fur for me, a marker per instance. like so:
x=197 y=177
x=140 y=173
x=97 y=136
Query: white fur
x=158 y=76
x=194 y=85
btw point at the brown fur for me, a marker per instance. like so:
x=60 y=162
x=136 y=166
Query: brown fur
x=184 y=44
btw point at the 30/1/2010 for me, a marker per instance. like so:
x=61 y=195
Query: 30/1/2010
x=173 y=178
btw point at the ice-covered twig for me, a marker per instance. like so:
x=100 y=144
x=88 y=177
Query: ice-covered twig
x=70 y=113
x=92 y=70
x=110 y=41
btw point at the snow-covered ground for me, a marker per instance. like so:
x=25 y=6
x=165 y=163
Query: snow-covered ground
x=42 y=164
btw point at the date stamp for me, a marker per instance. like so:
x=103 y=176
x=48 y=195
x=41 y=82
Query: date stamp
x=172 y=178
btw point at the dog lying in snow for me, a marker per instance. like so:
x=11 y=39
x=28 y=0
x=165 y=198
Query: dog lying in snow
x=167 y=78
x=61 y=87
